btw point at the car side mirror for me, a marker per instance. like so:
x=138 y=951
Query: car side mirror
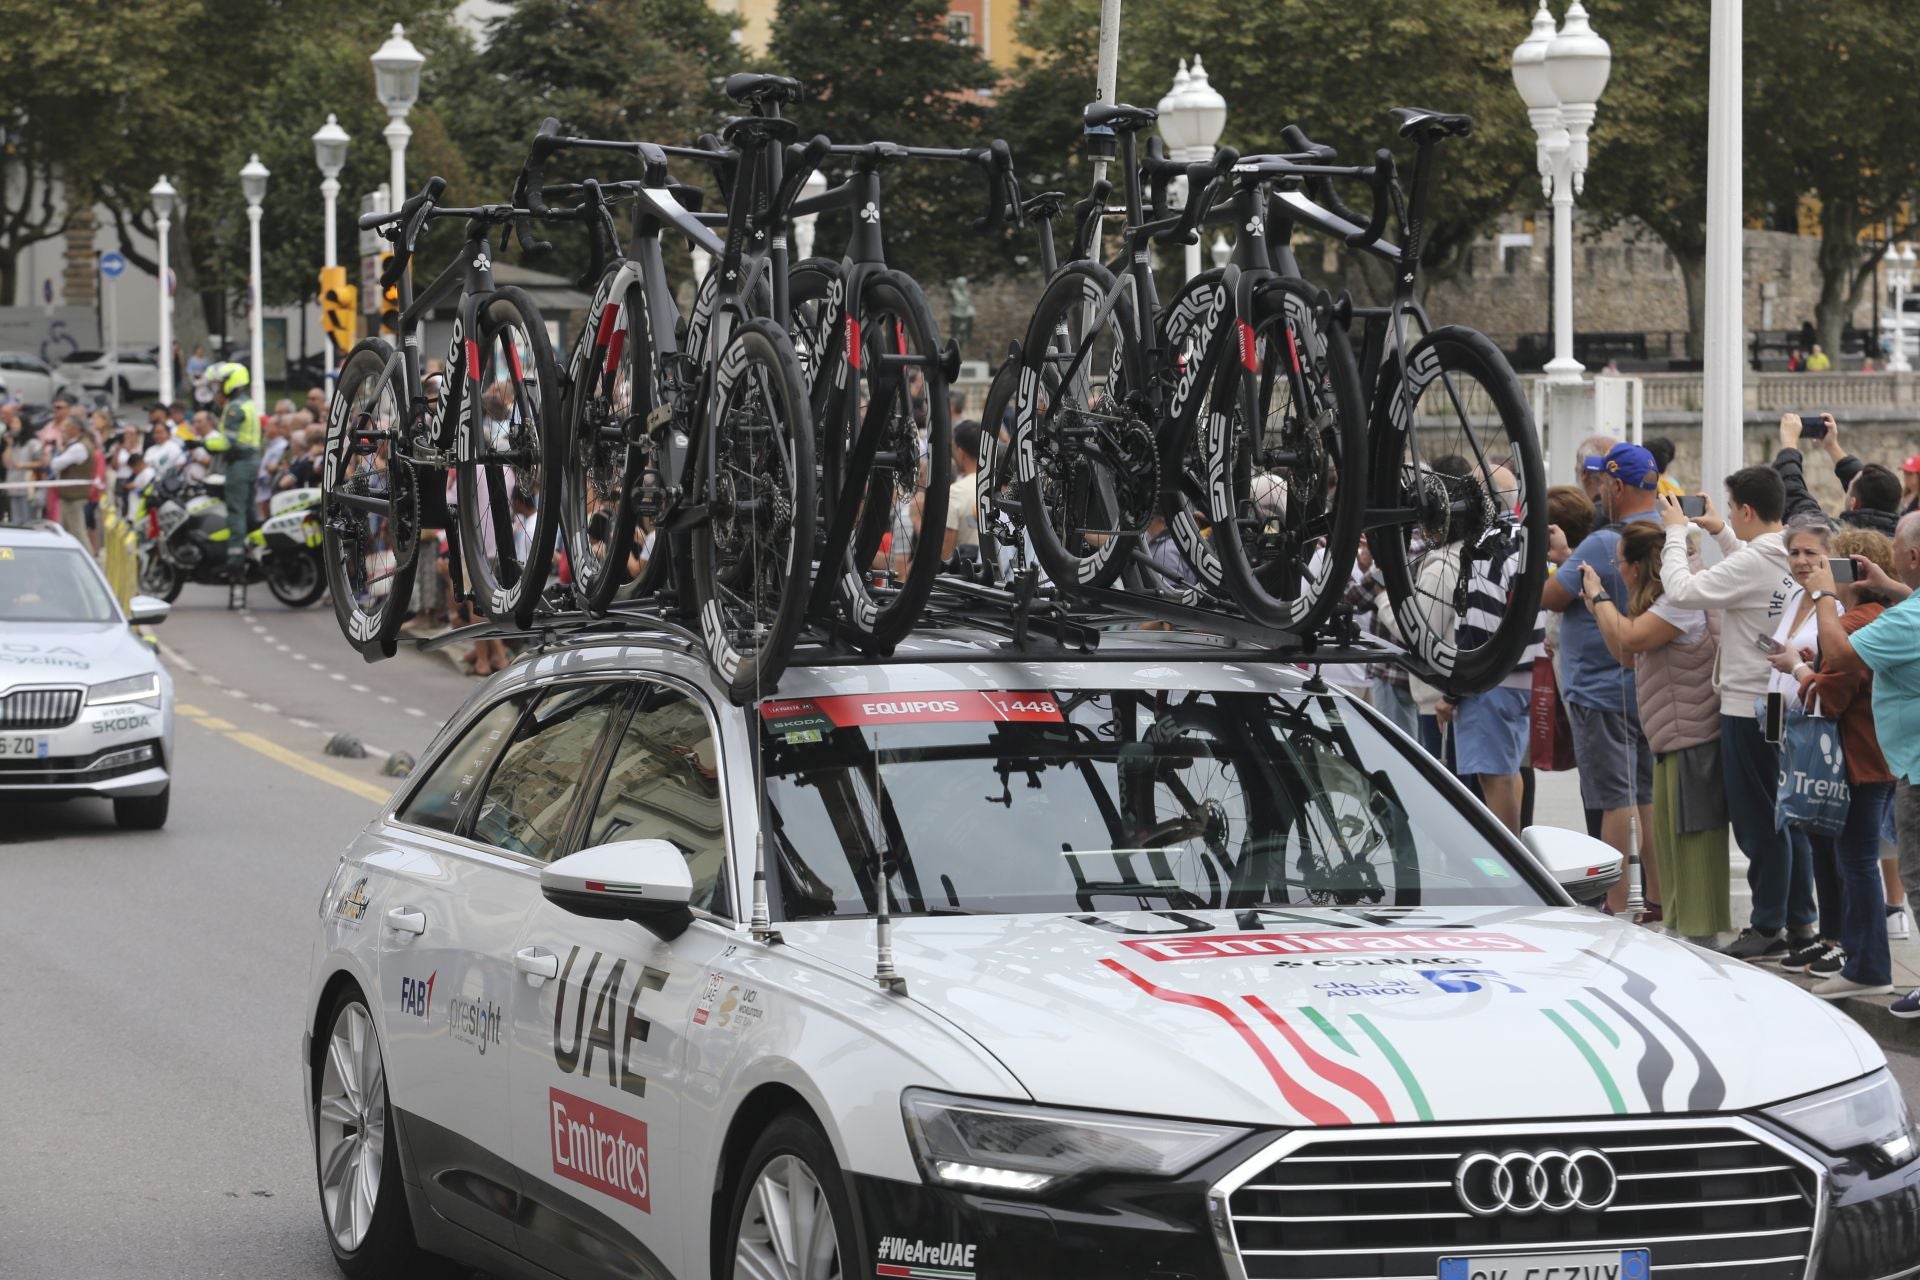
x=144 y=611
x=1586 y=868
x=645 y=881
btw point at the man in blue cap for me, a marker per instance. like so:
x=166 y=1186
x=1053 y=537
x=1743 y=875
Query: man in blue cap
x=1616 y=768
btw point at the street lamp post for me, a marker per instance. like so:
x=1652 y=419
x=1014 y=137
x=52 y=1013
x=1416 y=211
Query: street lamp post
x=396 y=78
x=330 y=153
x=1192 y=117
x=163 y=196
x=806 y=224
x=253 y=185
x=1899 y=262
x=1560 y=78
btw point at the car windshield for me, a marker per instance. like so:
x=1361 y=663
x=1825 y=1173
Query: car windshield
x=1078 y=800
x=51 y=584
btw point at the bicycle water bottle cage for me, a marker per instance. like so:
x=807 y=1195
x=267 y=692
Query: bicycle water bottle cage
x=1423 y=125
x=747 y=86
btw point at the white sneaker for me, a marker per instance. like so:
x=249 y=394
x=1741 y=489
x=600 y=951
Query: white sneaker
x=1899 y=924
x=1837 y=988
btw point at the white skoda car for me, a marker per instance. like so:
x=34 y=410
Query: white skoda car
x=1148 y=964
x=86 y=709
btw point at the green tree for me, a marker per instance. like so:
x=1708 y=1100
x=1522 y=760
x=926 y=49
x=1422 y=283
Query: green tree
x=1834 y=93
x=887 y=70
x=1649 y=149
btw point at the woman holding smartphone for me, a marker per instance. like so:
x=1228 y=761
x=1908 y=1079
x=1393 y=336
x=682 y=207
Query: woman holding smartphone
x=1861 y=964
x=1673 y=653
x=1796 y=640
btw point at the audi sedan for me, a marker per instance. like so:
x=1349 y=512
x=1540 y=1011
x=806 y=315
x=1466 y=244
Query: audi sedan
x=1157 y=963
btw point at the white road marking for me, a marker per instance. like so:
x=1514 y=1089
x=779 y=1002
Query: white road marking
x=299 y=657
x=317 y=666
x=335 y=675
x=259 y=630
x=281 y=647
x=304 y=724
x=415 y=711
x=267 y=707
x=360 y=688
x=388 y=698
x=235 y=693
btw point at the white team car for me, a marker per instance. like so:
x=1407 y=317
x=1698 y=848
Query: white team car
x=1190 y=970
x=86 y=709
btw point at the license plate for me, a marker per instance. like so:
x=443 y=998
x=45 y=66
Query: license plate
x=1609 y=1264
x=22 y=746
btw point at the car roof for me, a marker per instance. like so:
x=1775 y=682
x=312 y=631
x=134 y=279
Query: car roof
x=39 y=533
x=1127 y=655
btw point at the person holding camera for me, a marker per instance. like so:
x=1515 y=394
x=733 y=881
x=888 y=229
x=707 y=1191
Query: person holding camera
x=1750 y=587
x=1873 y=491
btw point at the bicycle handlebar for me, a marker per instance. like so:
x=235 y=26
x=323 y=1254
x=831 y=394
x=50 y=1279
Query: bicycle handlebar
x=801 y=160
x=1204 y=181
x=1379 y=177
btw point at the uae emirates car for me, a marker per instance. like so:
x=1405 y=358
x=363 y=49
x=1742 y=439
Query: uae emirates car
x=1158 y=962
x=86 y=709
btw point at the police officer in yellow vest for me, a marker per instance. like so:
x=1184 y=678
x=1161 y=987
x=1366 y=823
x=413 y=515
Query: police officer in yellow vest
x=237 y=439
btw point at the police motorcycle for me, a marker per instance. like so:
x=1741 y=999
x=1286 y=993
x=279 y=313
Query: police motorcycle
x=182 y=521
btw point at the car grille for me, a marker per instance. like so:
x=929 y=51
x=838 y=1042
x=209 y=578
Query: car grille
x=40 y=708
x=80 y=771
x=1705 y=1198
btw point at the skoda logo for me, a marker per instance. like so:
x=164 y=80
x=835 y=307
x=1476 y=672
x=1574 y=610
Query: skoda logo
x=1522 y=1182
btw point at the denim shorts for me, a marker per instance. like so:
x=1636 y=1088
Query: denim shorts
x=1616 y=768
x=1491 y=731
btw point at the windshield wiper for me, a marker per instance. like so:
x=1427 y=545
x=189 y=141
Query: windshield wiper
x=1178 y=895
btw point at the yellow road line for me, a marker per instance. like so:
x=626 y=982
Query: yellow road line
x=214 y=722
x=186 y=709
x=312 y=768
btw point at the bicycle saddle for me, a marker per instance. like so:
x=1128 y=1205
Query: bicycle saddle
x=1120 y=117
x=1046 y=205
x=748 y=132
x=748 y=86
x=1425 y=126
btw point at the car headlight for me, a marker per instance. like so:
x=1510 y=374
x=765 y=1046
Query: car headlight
x=1866 y=1119
x=144 y=690
x=1010 y=1147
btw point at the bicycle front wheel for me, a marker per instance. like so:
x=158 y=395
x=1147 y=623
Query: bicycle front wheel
x=751 y=561
x=509 y=469
x=1275 y=480
x=1087 y=462
x=369 y=501
x=1458 y=498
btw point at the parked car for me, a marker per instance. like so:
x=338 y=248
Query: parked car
x=136 y=369
x=29 y=379
x=1157 y=962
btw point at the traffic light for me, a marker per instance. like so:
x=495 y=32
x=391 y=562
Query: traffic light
x=338 y=301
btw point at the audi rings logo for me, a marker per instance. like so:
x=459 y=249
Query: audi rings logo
x=1522 y=1182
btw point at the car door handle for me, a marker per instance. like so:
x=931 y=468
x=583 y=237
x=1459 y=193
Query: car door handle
x=407 y=920
x=537 y=963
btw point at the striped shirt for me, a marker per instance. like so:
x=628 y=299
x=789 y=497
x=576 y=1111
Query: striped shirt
x=1488 y=590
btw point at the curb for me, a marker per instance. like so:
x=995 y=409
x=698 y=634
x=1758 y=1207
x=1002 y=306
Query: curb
x=1873 y=1014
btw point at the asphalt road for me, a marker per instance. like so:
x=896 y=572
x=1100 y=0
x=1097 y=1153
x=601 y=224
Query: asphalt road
x=150 y=1025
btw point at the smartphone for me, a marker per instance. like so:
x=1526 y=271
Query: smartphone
x=1812 y=427
x=1776 y=727
x=1843 y=569
x=1767 y=645
x=1693 y=505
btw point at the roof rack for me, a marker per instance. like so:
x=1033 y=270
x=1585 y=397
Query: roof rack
x=1026 y=620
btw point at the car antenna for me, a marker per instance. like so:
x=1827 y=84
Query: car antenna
x=759 y=921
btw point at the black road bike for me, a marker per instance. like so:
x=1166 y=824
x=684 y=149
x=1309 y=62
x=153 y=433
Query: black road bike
x=700 y=431
x=495 y=428
x=879 y=377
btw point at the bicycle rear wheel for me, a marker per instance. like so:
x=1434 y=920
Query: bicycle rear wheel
x=751 y=561
x=1458 y=489
x=996 y=488
x=369 y=501
x=508 y=475
x=1285 y=539
x=609 y=394
x=1087 y=462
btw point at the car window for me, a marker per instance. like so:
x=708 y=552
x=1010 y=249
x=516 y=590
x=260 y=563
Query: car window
x=1096 y=800
x=664 y=784
x=440 y=800
x=51 y=584
x=526 y=802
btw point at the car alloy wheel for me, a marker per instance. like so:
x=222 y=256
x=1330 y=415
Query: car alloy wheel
x=786 y=1227
x=350 y=1128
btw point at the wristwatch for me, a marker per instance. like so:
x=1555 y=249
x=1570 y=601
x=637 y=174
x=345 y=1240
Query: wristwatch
x=1598 y=597
x=1817 y=596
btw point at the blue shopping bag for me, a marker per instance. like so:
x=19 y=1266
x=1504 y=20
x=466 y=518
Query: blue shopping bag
x=1813 y=793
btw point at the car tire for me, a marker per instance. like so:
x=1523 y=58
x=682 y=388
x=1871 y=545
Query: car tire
x=142 y=813
x=792 y=1159
x=377 y=1238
